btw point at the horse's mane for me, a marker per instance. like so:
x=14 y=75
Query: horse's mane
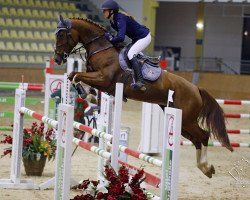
x=118 y=46
x=91 y=22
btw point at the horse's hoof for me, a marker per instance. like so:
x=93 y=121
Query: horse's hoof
x=212 y=169
x=83 y=96
x=88 y=111
x=209 y=174
x=206 y=169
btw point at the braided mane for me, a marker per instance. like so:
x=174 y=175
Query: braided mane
x=91 y=22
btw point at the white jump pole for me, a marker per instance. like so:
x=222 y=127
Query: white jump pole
x=65 y=94
x=171 y=151
x=17 y=148
x=63 y=159
x=117 y=126
x=104 y=124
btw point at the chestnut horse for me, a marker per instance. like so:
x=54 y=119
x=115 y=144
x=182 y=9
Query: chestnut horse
x=201 y=114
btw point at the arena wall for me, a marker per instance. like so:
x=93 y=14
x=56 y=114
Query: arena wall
x=223 y=86
x=30 y=75
x=226 y=86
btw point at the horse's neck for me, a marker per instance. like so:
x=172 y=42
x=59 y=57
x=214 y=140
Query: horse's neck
x=85 y=35
x=87 y=31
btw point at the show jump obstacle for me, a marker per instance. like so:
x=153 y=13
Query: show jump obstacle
x=152 y=124
x=65 y=126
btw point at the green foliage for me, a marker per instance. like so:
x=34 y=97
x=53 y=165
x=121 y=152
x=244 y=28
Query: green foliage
x=36 y=143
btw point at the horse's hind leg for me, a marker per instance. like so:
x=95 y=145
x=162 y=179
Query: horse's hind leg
x=200 y=139
x=202 y=162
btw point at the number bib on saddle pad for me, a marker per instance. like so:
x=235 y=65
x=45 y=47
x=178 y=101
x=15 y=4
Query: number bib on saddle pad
x=149 y=72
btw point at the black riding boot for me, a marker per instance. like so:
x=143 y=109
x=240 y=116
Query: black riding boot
x=139 y=83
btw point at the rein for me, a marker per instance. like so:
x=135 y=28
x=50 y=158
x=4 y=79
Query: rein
x=93 y=39
x=87 y=57
x=97 y=51
x=64 y=55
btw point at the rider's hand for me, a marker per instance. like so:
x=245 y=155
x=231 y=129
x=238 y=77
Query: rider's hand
x=109 y=36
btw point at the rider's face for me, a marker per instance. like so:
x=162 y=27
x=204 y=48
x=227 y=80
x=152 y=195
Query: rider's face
x=105 y=13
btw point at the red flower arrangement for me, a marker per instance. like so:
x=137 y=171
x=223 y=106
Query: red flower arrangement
x=80 y=106
x=35 y=142
x=117 y=187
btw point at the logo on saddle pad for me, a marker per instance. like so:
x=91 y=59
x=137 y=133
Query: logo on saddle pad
x=150 y=71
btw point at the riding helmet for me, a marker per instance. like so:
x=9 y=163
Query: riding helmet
x=110 y=5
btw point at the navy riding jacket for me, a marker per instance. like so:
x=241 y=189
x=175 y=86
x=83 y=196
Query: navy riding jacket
x=125 y=25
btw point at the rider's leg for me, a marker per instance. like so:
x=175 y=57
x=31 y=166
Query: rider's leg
x=139 y=83
x=136 y=48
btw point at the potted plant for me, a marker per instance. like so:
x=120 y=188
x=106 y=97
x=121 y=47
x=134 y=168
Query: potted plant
x=117 y=187
x=37 y=147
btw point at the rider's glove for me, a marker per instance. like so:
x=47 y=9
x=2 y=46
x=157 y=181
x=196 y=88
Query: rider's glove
x=109 y=36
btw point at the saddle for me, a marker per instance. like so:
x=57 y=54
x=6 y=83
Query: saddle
x=150 y=65
x=153 y=61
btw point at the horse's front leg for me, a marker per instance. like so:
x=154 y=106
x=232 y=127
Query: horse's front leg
x=90 y=78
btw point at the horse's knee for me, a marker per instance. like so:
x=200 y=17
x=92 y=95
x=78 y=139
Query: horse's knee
x=71 y=76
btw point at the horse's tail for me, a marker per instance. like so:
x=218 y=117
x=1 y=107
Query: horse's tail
x=212 y=116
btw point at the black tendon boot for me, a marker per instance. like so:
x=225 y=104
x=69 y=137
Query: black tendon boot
x=139 y=83
x=80 y=90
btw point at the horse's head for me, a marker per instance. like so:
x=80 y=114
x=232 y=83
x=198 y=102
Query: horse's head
x=66 y=39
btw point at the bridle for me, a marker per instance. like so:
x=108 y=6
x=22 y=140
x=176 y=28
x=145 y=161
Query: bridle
x=87 y=56
x=69 y=37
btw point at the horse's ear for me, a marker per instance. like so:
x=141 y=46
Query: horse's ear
x=61 y=19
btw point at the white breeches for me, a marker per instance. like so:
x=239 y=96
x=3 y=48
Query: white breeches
x=139 y=46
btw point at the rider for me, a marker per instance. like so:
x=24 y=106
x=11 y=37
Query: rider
x=125 y=24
